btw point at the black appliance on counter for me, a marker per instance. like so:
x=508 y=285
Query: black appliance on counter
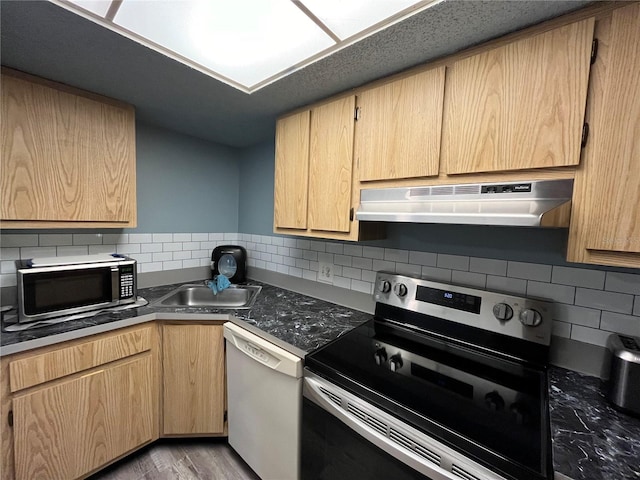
x=445 y=382
x=231 y=261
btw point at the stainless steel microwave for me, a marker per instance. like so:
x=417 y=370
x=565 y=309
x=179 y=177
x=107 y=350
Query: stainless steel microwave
x=58 y=286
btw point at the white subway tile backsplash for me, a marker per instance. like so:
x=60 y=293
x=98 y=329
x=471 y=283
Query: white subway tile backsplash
x=620 y=323
x=436 y=274
x=529 y=271
x=623 y=283
x=128 y=248
x=550 y=291
x=561 y=329
x=513 y=286
x=379 y=265
x=353 y=250
x=409 y=269
x=488 y=266
x=56 y=239
x=93 y=249
x=19 y=240
x=373 y=252
x=352 y=273
x=393 y=255
x=12 y=253
x=582 y=310
x=335 y=248
x=610 y=301
x=589 y=335
x=360 y=286
x=35 y=252
x=162 y=237
x=87 y=239
x=423 y=258
x=72 y=250
x=140 y=238
x=454 y=262
x=469 y=279
x=578 y=277
x=181 y=237
x=587 y=317
x=342 y=282
x=342 y=260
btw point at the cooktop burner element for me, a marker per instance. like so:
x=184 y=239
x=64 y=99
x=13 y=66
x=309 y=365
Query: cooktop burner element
x=464 y=366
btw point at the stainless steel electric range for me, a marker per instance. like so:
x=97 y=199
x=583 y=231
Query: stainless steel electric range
x=445 y=382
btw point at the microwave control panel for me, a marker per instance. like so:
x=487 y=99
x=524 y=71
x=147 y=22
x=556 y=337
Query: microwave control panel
x=127 y=286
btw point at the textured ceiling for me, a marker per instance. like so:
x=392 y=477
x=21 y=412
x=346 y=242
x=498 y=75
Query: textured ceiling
x=43 y=39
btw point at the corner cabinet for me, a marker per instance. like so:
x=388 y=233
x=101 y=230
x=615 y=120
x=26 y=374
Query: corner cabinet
x=68 y=157
x=519 y=106
x=77 y=408
x=315 y=192
x=193 y=373
x=606 y=221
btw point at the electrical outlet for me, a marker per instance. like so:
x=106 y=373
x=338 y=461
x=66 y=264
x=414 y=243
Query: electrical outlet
x=326 y=272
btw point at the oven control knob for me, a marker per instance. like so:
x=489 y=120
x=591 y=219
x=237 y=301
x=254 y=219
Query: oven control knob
x=380 y=356
x=530 y=317
x=502 y=312
x=395 y=362
x=494 y=401
x=400 y=289
x=384 y=286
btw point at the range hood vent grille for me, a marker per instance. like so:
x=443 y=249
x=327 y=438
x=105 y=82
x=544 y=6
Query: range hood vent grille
x=508 y=204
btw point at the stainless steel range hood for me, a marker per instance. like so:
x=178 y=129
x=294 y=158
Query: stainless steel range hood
x=523 y=204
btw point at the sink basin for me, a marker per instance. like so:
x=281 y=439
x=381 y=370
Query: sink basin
x=199 y=295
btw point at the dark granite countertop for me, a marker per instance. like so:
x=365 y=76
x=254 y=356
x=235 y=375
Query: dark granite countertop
x=591 y=440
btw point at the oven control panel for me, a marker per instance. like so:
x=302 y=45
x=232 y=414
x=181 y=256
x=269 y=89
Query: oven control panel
x=519 y=317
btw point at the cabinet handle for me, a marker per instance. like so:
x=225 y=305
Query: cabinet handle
x=594 y=50
x=351 y=215
x=585 y=135
x=10 y=418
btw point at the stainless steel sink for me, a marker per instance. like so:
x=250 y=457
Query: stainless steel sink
x=198 y=295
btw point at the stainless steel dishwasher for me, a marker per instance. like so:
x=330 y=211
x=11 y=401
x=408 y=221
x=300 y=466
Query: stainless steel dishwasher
x=264 y=389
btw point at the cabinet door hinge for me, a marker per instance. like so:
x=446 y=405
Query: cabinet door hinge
x=594 y=50
x=356 y=114
x=351 y=215
x=224 y=417
x=585 y=135
x=10 y=418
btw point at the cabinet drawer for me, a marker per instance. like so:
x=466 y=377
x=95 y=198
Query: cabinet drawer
x=37 y=369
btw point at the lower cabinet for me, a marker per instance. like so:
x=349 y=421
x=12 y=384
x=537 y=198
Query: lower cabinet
x=70 y=429
x=193 y=389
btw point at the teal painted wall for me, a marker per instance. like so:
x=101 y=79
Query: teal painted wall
x=256 y=189
x=185 y=184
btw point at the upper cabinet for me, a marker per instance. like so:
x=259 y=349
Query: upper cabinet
x=68 y=157
x=519 y=106
x=315 y=175
x=606 y=225
x=399 y=127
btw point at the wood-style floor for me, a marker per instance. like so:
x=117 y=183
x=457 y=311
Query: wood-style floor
x=180 y=459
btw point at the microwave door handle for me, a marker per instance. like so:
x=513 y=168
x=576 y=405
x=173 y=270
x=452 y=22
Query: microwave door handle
x=115 y=284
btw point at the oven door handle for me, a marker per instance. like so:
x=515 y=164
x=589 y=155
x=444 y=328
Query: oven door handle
x=444 y=461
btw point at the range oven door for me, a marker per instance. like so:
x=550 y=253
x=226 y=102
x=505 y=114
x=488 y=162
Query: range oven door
x=345 y=437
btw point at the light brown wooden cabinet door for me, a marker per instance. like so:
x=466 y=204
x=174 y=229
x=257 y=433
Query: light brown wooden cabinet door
x=519 y=106
x=331 y=165
x=615 y=206
x=292 y=171
x=193 y=379
x=65 y=157
x=397 y=134
x=68 y=430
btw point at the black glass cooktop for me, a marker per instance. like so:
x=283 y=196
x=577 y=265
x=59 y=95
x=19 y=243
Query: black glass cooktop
x=492 y=409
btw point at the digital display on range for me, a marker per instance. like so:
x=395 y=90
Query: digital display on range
x=449 y=298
